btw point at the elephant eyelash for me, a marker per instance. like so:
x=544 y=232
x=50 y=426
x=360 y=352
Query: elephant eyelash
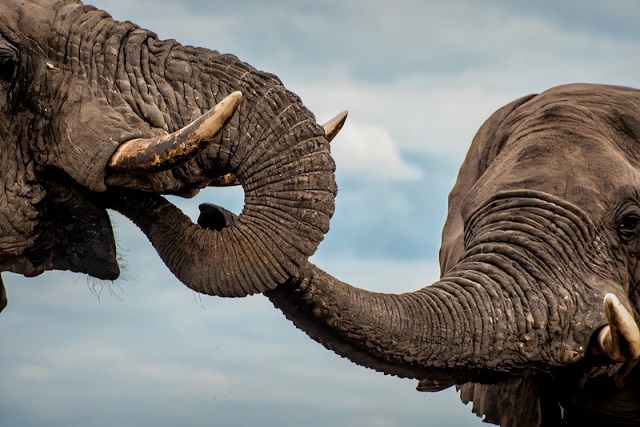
x=627 y=224
x=628 y=227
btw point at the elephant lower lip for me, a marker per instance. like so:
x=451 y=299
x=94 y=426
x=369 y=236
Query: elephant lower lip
x=66 y=243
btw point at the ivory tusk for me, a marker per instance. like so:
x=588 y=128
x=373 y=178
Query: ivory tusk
x=333 y=126
x=169 y=151
x=620 y=339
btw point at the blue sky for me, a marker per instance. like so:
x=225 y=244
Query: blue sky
x=419 y=78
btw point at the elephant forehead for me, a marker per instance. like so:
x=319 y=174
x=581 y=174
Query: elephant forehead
x=18 y=16
x=585 y=171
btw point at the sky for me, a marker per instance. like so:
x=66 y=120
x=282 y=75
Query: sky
x=418 y=79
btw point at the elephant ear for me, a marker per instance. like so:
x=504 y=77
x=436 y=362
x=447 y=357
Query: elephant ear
x=486 y=145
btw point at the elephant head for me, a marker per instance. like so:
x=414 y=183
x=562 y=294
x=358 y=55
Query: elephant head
x=534 y=314
x=98 y=114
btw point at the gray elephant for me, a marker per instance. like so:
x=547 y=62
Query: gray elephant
x=96 y=113
x=534 y=315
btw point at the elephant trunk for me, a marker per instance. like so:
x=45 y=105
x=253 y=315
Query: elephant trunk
x=289 y=193
x=507 y=305
x=272 y=146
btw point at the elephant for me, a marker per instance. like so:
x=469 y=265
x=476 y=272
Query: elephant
x=97 y=114
x=534 y=316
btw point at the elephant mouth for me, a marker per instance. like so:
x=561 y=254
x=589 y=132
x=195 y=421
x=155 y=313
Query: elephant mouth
x=78 y=233
x=74 y=231
x=289 y=191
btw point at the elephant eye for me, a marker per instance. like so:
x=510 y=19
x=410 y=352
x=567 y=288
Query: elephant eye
x=629 y=227
x=8 y=62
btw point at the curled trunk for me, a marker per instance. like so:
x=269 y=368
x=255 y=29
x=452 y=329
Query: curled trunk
x=287 y=175
x=272 y=146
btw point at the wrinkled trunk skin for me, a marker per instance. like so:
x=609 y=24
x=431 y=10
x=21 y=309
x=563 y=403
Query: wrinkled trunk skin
x=507 y=308
x=80 y=84
x=272 y=145
x=534 y=240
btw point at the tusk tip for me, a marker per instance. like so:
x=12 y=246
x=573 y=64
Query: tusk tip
x=333 y=126
x=615 y=311
x=233 y=98
x=221 y=112
x=620 y=339
x=611 y=299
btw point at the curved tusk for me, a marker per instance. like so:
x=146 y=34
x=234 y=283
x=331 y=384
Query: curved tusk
x=620 y=339
x=169 y=151
x=333 y=126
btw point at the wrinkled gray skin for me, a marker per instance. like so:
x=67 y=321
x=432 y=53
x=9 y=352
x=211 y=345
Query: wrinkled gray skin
x=75 y=84
x=543 y=221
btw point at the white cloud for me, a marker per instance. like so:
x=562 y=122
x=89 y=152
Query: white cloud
x=367 y=421
x=29 y=372
x=416 y=114
x=418 y=78
x=381 y=274
x=369 y=153
x=176 y=20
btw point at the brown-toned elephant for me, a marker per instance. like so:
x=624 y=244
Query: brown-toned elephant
x=534 y=315
x=96 y=113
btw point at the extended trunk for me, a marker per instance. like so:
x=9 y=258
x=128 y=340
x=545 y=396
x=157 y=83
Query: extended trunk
x=458 y=330
x=507 y=306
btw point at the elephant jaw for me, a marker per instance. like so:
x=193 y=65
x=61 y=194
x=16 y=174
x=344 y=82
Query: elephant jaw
x=62 y=241
x=71 y=232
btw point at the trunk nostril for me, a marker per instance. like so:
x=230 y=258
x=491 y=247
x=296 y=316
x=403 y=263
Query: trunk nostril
x=214 y=217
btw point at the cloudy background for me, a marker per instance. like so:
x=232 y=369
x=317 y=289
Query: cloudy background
x=418 y=78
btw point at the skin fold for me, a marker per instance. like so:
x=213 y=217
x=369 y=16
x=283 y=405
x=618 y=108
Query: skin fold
x=539 y=250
